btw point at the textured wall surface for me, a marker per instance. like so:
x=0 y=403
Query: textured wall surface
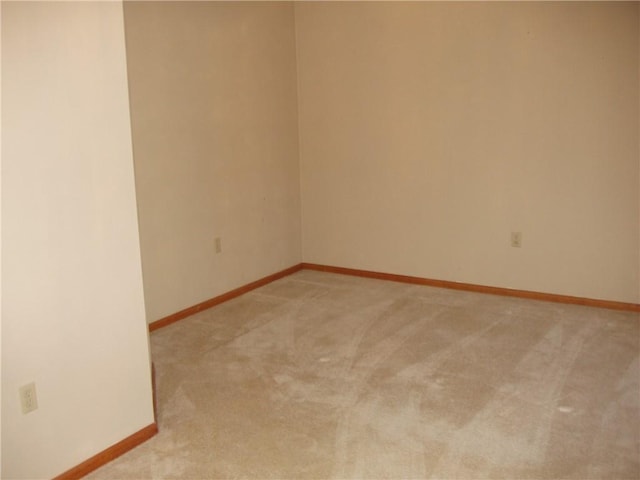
x=430 y=131
x=214 y=119
x=73 y=317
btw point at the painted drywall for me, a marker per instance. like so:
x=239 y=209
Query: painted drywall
x=430 y=131
x=214 y=122
x=73 y=316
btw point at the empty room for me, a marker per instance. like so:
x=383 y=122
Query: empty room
x=320 y=240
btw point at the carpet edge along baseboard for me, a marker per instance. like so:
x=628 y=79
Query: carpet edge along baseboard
x=174 y=317
x=111 y=453
x=469 y=287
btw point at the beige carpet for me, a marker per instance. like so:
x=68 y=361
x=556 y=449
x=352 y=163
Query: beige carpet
x=320 y=375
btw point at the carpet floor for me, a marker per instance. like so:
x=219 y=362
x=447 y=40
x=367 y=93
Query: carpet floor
x=319 y=375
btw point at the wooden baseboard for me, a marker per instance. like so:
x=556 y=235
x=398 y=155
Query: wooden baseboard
x=163 y=322
x=547 y=297
x=109 y=454
x=469 y=287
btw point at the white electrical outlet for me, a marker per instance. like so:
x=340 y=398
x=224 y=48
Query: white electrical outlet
x=28 y=398
x=218 y=243
x=516 y=239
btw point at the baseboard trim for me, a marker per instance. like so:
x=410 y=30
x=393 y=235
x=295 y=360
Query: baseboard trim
x=109 y=454
x=469 y=287
x=163 y=322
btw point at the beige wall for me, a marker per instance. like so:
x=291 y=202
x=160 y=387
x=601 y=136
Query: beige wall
x=73 y=315
x=430 y=131
x=214 y=117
